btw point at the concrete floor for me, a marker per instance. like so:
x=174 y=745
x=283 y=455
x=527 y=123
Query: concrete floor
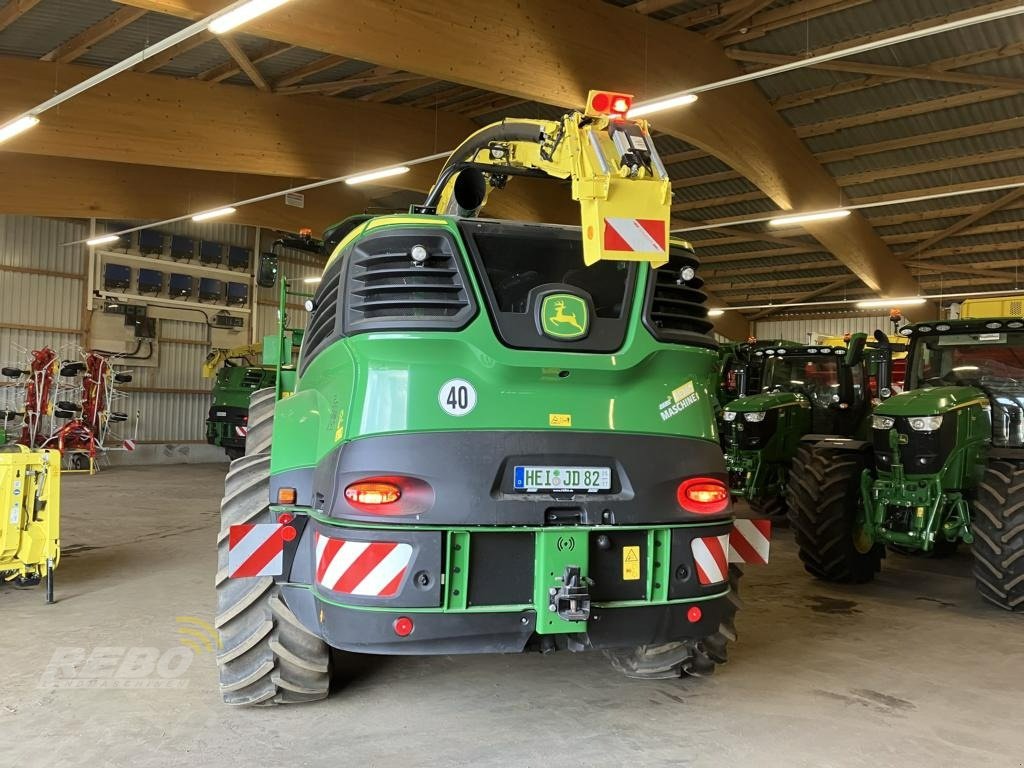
x=912 y=670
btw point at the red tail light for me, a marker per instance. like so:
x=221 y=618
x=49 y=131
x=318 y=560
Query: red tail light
x=373 y=493
x=608 y=103
x=703 y=495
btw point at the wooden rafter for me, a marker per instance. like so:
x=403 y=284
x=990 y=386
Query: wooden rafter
x=885 y=70
x=906 y=110
x=493 y=106
x=727 y=258
x=769 y=268
x=952 y=229
x=695 y=205
x=682 y=157
x=14 y=10
x=966 y=269
x=653 y=6
x=71 y=49
x=230 y=67
x=787 y=15
x=894 y=219
x=396 y=90
x=441 y=98
x=964 y=187
x=244 y=63
x=375 y=76
x=737 y=19
x=733 y=236
x=165 y=57
x=971 y=59
x=812 y=294
x=965 y=250
x=299 y=74
x=785 y=282
x=913 y=238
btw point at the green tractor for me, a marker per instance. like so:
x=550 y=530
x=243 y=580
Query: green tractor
x=821 y=390
x=740 y=368
x=228 y=421
x=944 y=464
x=487 y=445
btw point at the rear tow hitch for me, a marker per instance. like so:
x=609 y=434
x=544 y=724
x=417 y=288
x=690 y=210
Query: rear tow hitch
x=571 y=601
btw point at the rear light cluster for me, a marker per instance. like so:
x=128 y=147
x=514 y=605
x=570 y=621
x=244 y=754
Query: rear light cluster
x=703 y=495
x=373 y=493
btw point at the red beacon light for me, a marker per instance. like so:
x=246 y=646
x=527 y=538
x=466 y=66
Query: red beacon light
x=608 y=103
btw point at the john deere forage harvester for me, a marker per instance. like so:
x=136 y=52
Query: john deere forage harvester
x=498 y=437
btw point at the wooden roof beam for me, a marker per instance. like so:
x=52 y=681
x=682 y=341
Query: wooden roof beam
x=396 y=90
x=230 y=67
x=236 y=53
x=78 y=45
x=958 y=226
x=166 y=57
x=787 y=15
x=14 y=10
x=812 y=294
x=541 y=64
x=299 y=74
x=737 y=19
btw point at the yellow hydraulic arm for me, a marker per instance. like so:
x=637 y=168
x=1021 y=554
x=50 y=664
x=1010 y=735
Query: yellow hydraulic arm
x=218 y=357
x=624 y=192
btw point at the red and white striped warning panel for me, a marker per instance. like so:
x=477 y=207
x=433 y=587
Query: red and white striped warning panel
x=711 y=554
x=255 y=549
x=635 y=235
x=750 y=541
x=241 y=431
x=128 y=445
x=364 y=568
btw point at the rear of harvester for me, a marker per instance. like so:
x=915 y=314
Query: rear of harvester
x=488 y=447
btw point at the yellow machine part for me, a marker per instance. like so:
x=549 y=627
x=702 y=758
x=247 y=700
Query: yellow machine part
x=217 y=357
x=624 y=215
x=30 y=497
x=996 y=306
x=899 y=344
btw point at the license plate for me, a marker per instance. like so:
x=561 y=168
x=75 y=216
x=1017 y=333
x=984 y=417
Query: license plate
x=535 y=478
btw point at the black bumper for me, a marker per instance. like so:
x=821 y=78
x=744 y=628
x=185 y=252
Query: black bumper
x=467 y=477
x=362 y=631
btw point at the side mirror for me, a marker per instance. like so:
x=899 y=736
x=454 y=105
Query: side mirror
x=266 y=270
x=855 y=348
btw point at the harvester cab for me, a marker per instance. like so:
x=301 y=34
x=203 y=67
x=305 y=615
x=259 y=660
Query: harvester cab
x=499 y=436
x=809 y=390
x=944 y=463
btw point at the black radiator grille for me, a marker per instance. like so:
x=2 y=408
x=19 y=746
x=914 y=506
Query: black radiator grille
x=674 y=309
x=388 y=290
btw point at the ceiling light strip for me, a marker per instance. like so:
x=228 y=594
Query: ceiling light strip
x=280 y=193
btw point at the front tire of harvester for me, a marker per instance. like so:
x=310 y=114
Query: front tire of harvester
x=998 y=527
x=687 y=658
x=266 y=656
x=824 y=504
x=261 y=420
x=769 y=506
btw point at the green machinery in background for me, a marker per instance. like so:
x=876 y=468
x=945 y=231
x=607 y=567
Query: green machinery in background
x=228 y=421
x=822 y=390
x=944 y=464
x=486 y=444
x=740 y=367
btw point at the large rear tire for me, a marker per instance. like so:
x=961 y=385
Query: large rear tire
x=687 y=658
x=261 y=421
x=266 y=656
x=824 y=506
x=998 y=527
x=769 y=506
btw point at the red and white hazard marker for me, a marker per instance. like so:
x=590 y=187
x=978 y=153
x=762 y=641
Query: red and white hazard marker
x=255 y=549
x=364 y=568
x=711 y=555
x=128 y=445
x=635 y=235
x=750 y=541
x=241 y=431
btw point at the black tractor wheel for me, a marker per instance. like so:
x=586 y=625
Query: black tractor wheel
x=266 y=656
x=687 y=658
x=769 y=506
x=998 y=527
x=261 y=421
x=824 y=506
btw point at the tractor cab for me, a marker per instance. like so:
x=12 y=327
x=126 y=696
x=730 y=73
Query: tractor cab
x=825 y=390
x=740 y=370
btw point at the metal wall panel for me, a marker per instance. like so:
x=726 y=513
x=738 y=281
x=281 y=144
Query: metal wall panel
x=45 y=300
x=31 y=241
x=809 y=330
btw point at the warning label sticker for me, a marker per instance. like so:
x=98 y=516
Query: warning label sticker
x=630 y=563
x=681 y=398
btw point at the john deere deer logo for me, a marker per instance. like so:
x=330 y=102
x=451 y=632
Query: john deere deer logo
x=564 y=316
